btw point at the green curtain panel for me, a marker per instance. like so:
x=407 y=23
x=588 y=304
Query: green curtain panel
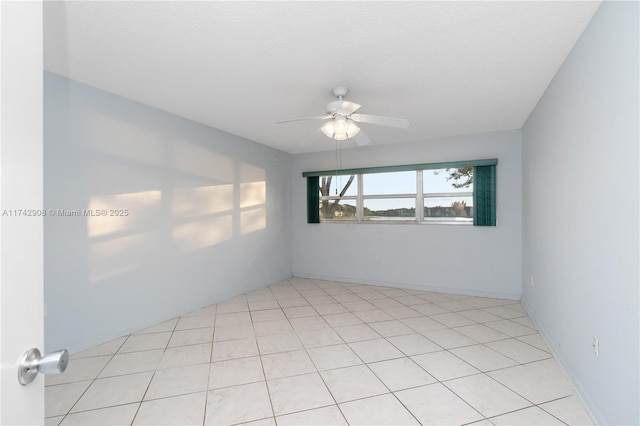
x=484 y=196
x=313 y=199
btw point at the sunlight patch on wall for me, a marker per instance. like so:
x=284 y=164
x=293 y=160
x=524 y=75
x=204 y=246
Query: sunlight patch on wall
x=204 y=200
x=253 y=194
x=253 y=220
x=141 y=144
x=192 y=159
x=121 y=212
x=118 y=255
x=202 y=233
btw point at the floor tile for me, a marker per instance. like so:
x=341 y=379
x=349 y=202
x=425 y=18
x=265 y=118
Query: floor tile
x=293 y=394
x=350 y=383
x=262 y=422
x=185 y=410
x=278 y=343
x=422 y=324
x=359 y=306
x=455 y=306
x=320 y=300
x=481 y=333
x=112 y=416
x=287 y=364
x=429 y=309
x=292 y=302
x=409 y=300
x=191 y=337
x=444 y=366
x=413 y=344
x=486 y=302
x=570 y=410
x=145 y=342
x=268 y=315
x=134 y=362
x=185 y=355
x=53 y=421
x=316 y=338
x=379 y=410
x=356 y=333
x=259 y=305
x=308 y=323
x=235 y=372
x=232 y=332
x=526 y=321
x=483 y=358
x=486 y=395
x=451 y=319
x=231 y=308
x=402 y=312
x=375 y=350
x=186 y=323
x=448 y=338
x=341 y=320
x=386 y=303
x=536 y=340
x=232 y=349
x=390 y=328
x=504 y=312
x=59 y=399
x=528 y=416
x=229 y=405
x=113 y=391
x=510 y=328
x=436 y=405
x=178 y=381
x=376 y=315
x=209 y=310
x=79 y=369
x=401 y=373
x=327 y=416
x=539 y=382
x=479 y=316
x=266 y=328
x=519 y=351
x=330 y=357
x=165 y=326
x=237 y=318
x=330 y=308
x=108 y=348
x=300 y=312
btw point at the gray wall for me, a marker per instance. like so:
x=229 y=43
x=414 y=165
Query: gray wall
x=208 y=215
x=581 y=205
x=451 y=258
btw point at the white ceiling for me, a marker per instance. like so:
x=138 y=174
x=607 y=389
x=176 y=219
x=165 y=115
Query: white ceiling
x=451 y=68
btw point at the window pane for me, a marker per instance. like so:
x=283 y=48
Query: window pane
x=334 y=185
x=448 y=207
x=389 y=183
x=448 y=180
x=390 y=209
x=340 y=210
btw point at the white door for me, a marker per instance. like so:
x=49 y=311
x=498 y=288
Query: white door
x=21 y=244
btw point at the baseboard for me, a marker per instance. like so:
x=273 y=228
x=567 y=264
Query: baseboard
x=588 y=404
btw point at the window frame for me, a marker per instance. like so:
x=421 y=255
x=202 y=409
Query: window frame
x=486 y=194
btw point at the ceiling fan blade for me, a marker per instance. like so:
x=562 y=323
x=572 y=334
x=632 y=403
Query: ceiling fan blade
x=342 y=107
x=312 y=138
x=361 y=138
x=380 y=120
x=318 y=117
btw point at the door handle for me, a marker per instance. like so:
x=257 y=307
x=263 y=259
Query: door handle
x=32 y=362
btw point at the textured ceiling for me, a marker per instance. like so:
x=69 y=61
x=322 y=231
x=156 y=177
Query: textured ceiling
x=451 y=68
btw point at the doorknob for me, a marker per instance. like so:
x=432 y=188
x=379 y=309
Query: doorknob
x=31 y=363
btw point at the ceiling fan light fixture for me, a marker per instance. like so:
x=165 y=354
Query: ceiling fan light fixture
x=340 y=129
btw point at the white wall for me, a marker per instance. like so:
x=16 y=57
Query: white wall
x=208 y=216
x=580 y=225
x=450 y=258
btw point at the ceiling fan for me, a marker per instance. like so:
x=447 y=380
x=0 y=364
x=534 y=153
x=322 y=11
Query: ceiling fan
x=342 y=120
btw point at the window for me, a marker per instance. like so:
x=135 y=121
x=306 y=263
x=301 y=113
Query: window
x=457 y=193
x=448 y=195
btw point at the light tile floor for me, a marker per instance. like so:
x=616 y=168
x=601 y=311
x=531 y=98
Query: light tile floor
x=305 y=352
